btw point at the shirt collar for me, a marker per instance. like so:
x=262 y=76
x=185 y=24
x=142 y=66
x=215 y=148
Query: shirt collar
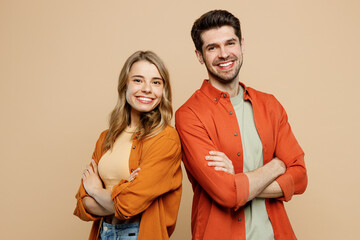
x=215 y=94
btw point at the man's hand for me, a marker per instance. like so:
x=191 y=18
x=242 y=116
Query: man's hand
x=91 y=178
x=278 y=165
x=220 y=162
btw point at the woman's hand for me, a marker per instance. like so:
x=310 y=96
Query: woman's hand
x=133 y=174
x=220 y=162
x=91 y=178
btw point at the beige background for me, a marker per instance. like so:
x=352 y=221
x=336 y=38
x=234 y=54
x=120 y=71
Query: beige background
x=59 y=63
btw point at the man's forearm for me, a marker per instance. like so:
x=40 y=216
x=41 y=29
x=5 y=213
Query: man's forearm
x=271 y=191
x=261 y=178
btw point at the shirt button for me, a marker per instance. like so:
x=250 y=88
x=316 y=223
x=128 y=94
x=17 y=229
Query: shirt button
x=215 y=99
x=235 y=134
x=239 y=219
x=225 y=95
x=134 y=147
x=239 y=154
x=230 y=112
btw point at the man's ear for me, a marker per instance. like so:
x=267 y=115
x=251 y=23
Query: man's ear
x=199 y=56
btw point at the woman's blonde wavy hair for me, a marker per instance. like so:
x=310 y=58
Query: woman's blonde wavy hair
x=151 y=123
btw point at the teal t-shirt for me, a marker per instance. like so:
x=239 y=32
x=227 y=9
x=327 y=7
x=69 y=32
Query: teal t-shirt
x=257 y=222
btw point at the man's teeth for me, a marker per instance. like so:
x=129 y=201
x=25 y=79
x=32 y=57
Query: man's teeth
x=225 y=64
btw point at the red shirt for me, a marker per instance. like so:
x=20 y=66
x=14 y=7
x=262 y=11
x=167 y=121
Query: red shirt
x=207 y=121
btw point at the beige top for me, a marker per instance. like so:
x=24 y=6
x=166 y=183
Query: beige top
x=114 y=164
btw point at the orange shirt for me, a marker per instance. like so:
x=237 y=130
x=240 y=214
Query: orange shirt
x=155 y=192
x=207 y=121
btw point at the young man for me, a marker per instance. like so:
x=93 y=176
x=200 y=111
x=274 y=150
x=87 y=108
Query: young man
x=238 y=148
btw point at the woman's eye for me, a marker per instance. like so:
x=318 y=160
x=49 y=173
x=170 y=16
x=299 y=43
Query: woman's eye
x=157 y=82
x=137 y=80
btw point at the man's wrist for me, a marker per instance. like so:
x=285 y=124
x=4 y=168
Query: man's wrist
x=277 y=167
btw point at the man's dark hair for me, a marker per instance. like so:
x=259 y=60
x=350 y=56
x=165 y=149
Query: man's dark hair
x=211 y=20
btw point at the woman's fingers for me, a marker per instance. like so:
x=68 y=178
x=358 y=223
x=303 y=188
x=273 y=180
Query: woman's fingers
x=133 y=174
x=95 y=167
x=90 y=169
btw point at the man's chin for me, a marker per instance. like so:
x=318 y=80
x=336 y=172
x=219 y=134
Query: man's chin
x=223 y=78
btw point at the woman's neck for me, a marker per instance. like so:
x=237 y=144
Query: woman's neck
x=135 y=118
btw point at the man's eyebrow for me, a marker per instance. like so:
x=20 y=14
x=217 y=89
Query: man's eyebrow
x=231 y=39
x=215 y=44
x=210 y=45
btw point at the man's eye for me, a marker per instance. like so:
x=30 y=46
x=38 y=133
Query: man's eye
x=211 y=48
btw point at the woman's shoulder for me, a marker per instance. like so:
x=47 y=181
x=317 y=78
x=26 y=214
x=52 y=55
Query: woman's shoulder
x=102 y=136
x=167 y=133
x=170 y=131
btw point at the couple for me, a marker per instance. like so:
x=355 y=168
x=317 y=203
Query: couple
x=237 y=146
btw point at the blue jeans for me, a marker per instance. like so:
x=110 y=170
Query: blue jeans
x=126 y=231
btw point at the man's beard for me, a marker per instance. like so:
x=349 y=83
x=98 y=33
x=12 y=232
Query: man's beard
x=220 y=77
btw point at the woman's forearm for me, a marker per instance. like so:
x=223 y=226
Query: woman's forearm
x=92 y=206
x=103 y=198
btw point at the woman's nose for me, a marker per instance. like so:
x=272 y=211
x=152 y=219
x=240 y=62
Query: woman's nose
x=146 y=87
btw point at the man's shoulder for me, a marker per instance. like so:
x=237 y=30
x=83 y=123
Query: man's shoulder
x=262 y=97
x=196 y=100
x=259 y=94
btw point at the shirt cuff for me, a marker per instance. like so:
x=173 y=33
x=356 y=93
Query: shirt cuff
x=242 y=189
x=82 y=213
x=287 y=186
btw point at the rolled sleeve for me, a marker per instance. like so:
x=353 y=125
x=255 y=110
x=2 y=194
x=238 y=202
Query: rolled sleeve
x=294 y=180
x=242 y=190
x=80 y=210
x=160 y=172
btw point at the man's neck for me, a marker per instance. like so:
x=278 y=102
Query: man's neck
x=232 y=87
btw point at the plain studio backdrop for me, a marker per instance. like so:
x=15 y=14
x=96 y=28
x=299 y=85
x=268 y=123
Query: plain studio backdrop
x=59 y=65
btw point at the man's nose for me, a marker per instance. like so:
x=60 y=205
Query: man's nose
x=223 y=53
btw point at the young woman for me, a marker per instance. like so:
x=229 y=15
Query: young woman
x=132 y=187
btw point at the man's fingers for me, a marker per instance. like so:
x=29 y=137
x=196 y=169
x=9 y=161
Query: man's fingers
x=212 y=158
x=221 y=169
x=215 y=158
x=217 y=164
x=216 y=153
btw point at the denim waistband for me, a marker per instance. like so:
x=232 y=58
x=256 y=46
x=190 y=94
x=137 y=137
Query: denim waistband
x=121 y=226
